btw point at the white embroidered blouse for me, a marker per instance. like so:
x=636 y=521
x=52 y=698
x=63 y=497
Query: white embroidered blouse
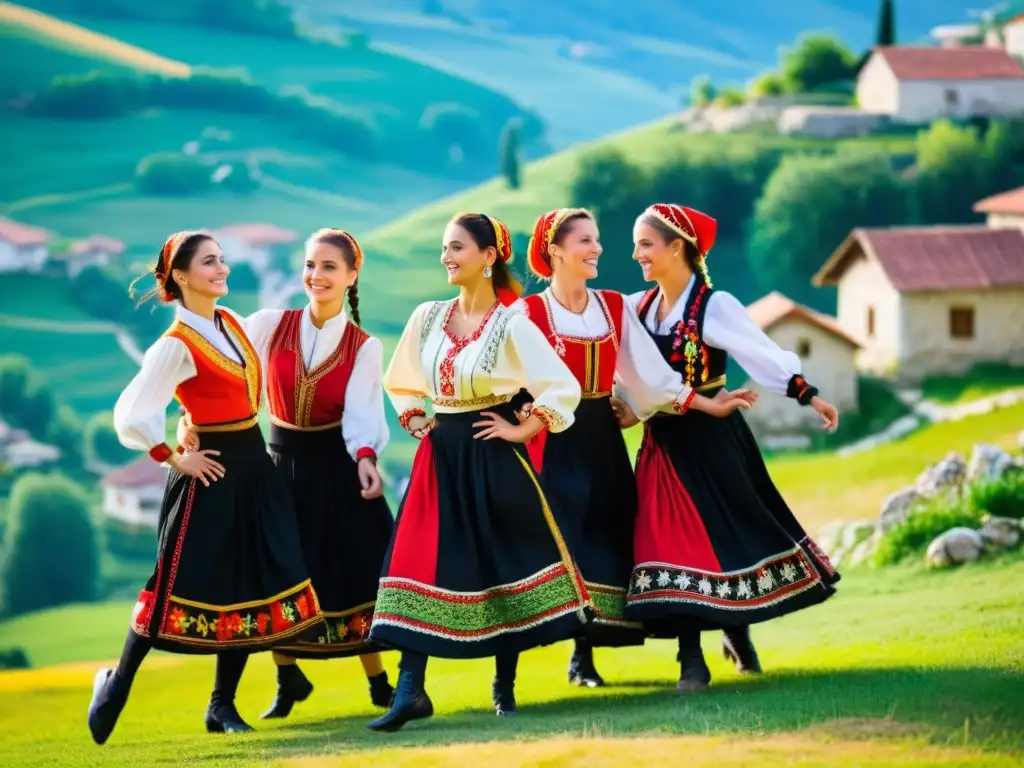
x=364 y=424
x=506 y=353
x=729 y=327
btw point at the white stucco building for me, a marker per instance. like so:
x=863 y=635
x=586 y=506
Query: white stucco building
x=1003 y=210
x=22 y=248
x=133 y=493
x=930 y=299
x=828 y=357
x=918 y=85
x=93 y=251
x=253 y=243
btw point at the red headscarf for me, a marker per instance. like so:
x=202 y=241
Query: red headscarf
x=544 y=230
x=503 y=238
x=167 y=254
x=690 y=224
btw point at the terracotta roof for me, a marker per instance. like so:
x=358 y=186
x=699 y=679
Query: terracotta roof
x=260 y=234
x=22 y=234
x=968 y=62
x=140 y=472
x=1011 y=202
x=934 y=258
x=97 y=243
x=772 y=309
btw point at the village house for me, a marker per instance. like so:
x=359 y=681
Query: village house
x=254 y=243
x=133 y=493
x=930 y=299
x=22 y=248
x=918 y=85
x=1003 y=210
x=19 y=451
x=827 y=353
x=1013 y=36
x=93 y=251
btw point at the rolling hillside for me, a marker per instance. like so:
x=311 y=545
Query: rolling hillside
x=591 y=67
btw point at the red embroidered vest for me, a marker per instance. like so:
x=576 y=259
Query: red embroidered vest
x=223 y=393
x=301 y=399
x=592 y=361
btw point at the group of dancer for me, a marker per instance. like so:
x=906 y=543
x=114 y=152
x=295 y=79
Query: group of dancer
x=523 y=523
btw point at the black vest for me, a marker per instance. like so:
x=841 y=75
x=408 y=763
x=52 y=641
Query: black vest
x=684 y=347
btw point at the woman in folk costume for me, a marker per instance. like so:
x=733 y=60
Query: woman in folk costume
x=716 y=546
x=586 y=469
x=328 y=427
x=477 y=566
x=229 y=576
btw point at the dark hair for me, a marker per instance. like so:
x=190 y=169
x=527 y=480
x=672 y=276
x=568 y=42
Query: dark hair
x=481 y=230
x=347 y=244
x=690 y=252
x=181 y=248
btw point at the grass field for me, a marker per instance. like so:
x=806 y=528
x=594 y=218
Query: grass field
x=982 y=381
x=903 y=667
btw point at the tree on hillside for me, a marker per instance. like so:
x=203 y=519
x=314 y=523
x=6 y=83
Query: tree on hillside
x=955 y=169
x=25 y=399
x=51 y=545
x=809 y=205
x=702 y=92
x=768 y=84
x=101 y=441
x=817 y=60
x=67 y=432
x=508 y=150
x=617 y=192
x=886 y=24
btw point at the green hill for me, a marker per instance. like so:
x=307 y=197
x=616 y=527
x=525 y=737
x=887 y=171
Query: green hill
x=39 y=47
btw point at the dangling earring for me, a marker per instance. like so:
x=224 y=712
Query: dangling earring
x=487 y=271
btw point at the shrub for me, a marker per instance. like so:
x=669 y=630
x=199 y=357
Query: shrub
x=101 y=441
x=14 y=658
x=935 y=517
x=52 y=551
x=129 y=542
x=1000 y=498
x=172 y=173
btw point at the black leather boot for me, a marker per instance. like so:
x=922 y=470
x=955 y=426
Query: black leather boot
x=738 y=648
x=382 y=694
x=503 y=694
x=411 y=703
x=109 y=695
x=224 y=718
x=694 y=674
x=582 y=671
x=292 y=686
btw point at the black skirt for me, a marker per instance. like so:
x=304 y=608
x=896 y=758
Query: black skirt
x=477 y=565
x=589 y=480
x=716 y=545
x=344 y=538
x=229 y=571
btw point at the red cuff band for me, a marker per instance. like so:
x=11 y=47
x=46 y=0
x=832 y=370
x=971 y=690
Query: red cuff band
x=366 y=453
x=180 y=449
x=682 y=408
x=160 y=453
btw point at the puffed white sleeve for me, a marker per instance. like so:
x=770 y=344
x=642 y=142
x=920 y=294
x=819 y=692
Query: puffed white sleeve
x=404 y=381
x=556 y=392
x=728 y=326
x=260 y=327
x=140 y=414
x=643 y=378
x=364 y=426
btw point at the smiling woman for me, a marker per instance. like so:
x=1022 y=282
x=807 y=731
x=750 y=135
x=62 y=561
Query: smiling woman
x=229 y=576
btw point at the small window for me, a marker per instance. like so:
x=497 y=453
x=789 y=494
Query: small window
x=952 y=97
x=961 y=322
x=803 y=348
x=871 y=322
